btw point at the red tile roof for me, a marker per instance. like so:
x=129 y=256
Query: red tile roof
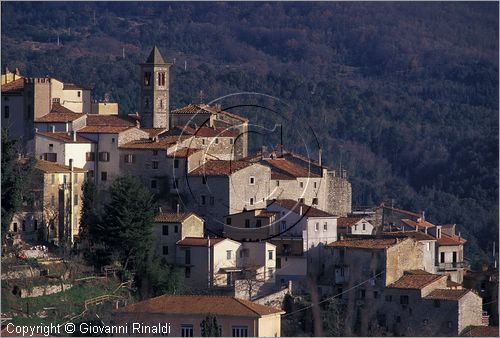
x=13 y=86
x=295 y=206
x=447 y=294
x=417 y=235
x=52 y=167
x=173 y=217
x=161 y=144
x=344 y=222
x=447 y=240
x=480 y=331
x=65 y=137
x=72 y=86
x=153 y=132
x=103 y=129
x=220 y=168
x=415 y=280
x=410 y=213
x=110 y=120
x=60 y=114
x=196 y=241
x=283 y=169
x=205 y=109
x=210 y=132
x=184 y=152
x=370 y=243
x=421 y=224
x=200 y=305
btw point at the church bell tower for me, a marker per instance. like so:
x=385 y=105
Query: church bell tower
x=155 y=91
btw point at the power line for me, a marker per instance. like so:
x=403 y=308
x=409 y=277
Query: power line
x=335 y=296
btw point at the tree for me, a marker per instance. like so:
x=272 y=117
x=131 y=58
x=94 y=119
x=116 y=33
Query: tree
x=210 y=327
x=128 y=219
x=158 y=278
x=15 y=178
x=90 y=221
x=334 y=318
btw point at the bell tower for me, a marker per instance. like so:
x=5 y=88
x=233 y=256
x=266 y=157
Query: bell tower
x=155 y=91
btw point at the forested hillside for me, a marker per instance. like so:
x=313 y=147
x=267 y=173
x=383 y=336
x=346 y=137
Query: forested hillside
x=402 y=95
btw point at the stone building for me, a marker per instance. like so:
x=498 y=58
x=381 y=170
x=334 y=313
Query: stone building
x=236 y=317
x=354 y=226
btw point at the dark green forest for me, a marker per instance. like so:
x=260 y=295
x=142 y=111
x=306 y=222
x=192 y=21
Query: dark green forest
x=402 y=95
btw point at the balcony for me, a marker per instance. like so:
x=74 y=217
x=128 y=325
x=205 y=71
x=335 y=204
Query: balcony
x=447 y=266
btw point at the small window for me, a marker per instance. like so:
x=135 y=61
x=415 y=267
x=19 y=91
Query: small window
x=90 y=156
x=428 y=246
x=364 y=226
x=355 y=227
x=75 y=178
x=165 y=230
x=176 y=229
x=203 y=200
x=129 y=158
x=270 y=272
x=14 y=226
x=212 y=200
x=216 y=141
x=165 y=250
x=437 y=303
x=228 y=220
x=302 y=184
x=315 y=185
x=51 y=147
x=316 y=226
x=404 y=300
x=442 y=257
x=270 y=254
x=277 y=183
x=187 y=272
x=247 y=223
x=104 y=156
x=425 y=322
x=229 y=254
x=6 y=112
x=53 y=179
x=186 y=330
x=23 y=226
x=240 y=331
x=147 y=78
x=112 y=140
x=154 y=184
x=251 y=201
x=35 y=224
x=176 y=163
x=258 y=223
x=90 y=174
x=388 y=298
x=155 y=152
x=75 y=199
x=231 y=141
x=283 y=226
x=155 y=164
x=315 y=201
x=79 y=93
x=204 y=180
x=362 y=294
x=104 y=176
x=252 y=180
x=325 y=226
x=375 y=294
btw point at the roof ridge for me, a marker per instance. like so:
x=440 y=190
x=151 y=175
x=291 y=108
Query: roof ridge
x=245 y=305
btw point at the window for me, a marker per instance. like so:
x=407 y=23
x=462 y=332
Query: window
x=388 y=298
x=278 y=263
x=428 y=246
x=362 y=294
x=75 y=178
x=283 y=226
x=202 y=141
x=364 y=226
x=203 y=199
x=161 y=82
x=75 y=199
x=155 y=164
x=355 y=227
x=437 y=303
x=316 y=226
x=112 y=140
x=270 y=272
x=155 y=152
x=247 y=223
x=165 y=250
x=228 y=221
x=228 y=254
x=52 y=201
x=212 y=200
x=186 y=330
x=90 y=156
x=187 y=257
x=216 y=141
x=258 y=223
x=302 y=184
x=251 y=201
x=187 y=272
x=375 y=294
x=129 y=158
x=270 y=254
x=243 y=253
x=6 y=112
x=35 y=224
x=301 y=200
x=325 y=226
x=176 y=163
x=176 y=229
x=147 y=78
x=104 y=156
x=277 y=183
x=231 y=141
x=252 y=180
x=315 y=201
x=53 y=179
x=104 y=176
x=23 y=226
x=240 y=331
x=154 y=184
x=204 y=180
x=442 y=257
x=165 y=230
x=51 y=147
x=403 y=300
x=315 y=185
x=14 y=226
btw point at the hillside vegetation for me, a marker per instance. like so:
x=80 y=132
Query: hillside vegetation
x=402 y=95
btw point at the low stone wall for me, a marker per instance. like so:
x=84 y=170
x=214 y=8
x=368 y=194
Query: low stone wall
x=20 y=272
x=275 y=299
x=44 y=290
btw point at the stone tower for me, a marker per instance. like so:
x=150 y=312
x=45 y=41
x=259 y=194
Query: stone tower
x=155 y=91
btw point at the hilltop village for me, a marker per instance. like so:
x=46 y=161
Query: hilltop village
x=249 y=231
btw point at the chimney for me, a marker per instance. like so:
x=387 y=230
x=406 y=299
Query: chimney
x=71 y=164
x=423 y=216
x=160 y=210
x=301 y=210
x=208 y=242
x=52 y=129
x=73 y=134
x=178 y=208
x=320 y=153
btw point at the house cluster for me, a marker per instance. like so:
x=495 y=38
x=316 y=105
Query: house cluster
x=241 y=226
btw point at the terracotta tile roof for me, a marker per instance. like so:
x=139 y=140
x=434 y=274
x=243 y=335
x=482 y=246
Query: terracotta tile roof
x=196 y=241
x=13 y=86
x=72 y=86
x=161 y=144
x=285 y=169
x=52 y=167
x=295 y=206
x=480 y=331
x=153 y=132
x=184 y=152
x=110 y=120
x=205 y=131
x=447 y=294
x=410 y=213
x=205 y=109
x=371 y=243
x=421 y=224
x=172 y=217
x=201 y=305
x=453 y=285
x=103 y=129
x=60 y=114
x=65 y=137
x=415 y=280
x=447 y=240
x=417 y=235
x=220 y=168
x=344 y=222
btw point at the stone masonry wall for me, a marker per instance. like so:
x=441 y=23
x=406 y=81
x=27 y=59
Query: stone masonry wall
x=338 y=194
